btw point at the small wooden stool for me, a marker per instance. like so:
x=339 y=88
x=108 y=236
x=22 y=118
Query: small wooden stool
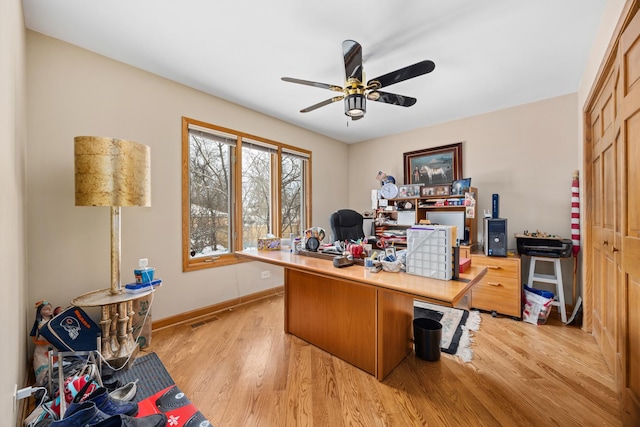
x=555 y=278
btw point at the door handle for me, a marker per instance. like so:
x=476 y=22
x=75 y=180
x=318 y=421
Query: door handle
x=494 y=267
x=614 y=249
x=494 y=284
x=605 y=242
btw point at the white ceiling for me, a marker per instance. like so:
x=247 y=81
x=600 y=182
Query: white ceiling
x=489 y=54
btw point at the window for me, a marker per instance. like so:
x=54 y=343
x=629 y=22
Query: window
x=257 y=191
x=236 y=189
x=294 y=182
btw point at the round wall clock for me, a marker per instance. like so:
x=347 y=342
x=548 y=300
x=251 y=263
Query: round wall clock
x=389 y=191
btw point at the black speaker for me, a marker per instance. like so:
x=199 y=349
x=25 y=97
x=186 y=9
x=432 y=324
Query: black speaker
x=495 y=237
x=495 y=206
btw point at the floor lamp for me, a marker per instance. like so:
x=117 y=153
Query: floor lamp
x=112 y=172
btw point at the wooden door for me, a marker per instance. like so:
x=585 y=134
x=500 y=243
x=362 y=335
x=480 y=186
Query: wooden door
x=627 y=240
x=605 y=137
x=612 y=249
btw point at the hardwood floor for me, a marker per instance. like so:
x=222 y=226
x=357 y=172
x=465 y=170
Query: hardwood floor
x=240 y=369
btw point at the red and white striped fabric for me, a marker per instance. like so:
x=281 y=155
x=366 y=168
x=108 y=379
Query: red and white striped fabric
x=575 y=213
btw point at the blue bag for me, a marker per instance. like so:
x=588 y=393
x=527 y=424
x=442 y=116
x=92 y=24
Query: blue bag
x=71 y=330
x=544 y=294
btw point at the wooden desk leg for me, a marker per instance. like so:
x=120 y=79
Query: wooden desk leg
x=465 y=302
x=395 y=330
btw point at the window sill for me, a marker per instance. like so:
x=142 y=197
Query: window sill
x=212 y=262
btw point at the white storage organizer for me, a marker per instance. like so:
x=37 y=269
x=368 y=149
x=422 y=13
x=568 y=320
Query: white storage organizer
x=430 y=251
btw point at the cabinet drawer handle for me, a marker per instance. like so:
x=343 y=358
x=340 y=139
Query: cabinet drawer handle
x=494 y=267
x=494 y=284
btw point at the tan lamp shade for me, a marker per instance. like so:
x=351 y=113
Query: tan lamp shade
x=112 y=172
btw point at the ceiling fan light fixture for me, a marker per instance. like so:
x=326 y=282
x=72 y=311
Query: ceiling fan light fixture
x=373 y=96
x=355 y=105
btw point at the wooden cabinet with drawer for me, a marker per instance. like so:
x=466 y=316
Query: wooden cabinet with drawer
x=500 y=290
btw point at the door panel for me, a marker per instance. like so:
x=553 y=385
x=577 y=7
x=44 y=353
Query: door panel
x=630 y=230
x=605 y=298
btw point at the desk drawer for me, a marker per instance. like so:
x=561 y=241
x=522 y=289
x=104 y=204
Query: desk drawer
x=497 y=294
x=500 y=289
x=507 y=267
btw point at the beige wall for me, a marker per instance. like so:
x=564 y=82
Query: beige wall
x=75 y=92
x=525 y=154
x=14 y=304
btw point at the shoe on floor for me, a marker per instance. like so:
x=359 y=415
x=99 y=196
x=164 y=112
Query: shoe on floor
x=108 y=404
x=80 y=415
x=126 y=392
x=154 y=420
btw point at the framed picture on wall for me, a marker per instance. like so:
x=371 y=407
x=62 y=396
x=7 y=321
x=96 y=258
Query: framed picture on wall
x=460 y=186
x=408 y=191
x=434 y=166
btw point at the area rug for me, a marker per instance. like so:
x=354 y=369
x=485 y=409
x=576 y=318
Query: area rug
x=158 y=393
x=457 y=327
x=150 y=374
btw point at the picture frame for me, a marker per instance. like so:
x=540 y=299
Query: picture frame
x=443 y=190
x=427 y=191
x=460 y=186
x=470 y=211
x=434 y=166
x=434 y=190
x=411 y=191
x=390 y=252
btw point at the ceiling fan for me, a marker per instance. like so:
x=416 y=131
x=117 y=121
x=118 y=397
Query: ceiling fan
x=356 y=93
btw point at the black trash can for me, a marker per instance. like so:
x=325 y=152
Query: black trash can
x=427 y=334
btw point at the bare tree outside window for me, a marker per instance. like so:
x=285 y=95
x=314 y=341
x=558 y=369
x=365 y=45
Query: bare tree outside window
x=209 y=167
x=292 y=194
x=256 y=194
x=237 y=188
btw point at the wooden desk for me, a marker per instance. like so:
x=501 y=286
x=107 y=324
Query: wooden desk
x=361 y=317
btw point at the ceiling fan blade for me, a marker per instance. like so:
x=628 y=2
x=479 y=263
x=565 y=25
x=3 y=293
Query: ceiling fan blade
x=315 y=84
x=405 y=73
x=352 y=52
x=391 y=98
x=322 y=104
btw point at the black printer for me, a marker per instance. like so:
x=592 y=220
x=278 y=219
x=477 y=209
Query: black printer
x=552 y=247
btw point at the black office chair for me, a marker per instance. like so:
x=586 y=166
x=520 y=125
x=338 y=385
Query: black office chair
x=346 y=224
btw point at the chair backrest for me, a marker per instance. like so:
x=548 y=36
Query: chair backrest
x=346 y=224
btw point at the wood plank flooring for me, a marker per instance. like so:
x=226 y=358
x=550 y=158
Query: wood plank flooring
x=240 y=369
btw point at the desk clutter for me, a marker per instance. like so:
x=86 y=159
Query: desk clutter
x=431 y=251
